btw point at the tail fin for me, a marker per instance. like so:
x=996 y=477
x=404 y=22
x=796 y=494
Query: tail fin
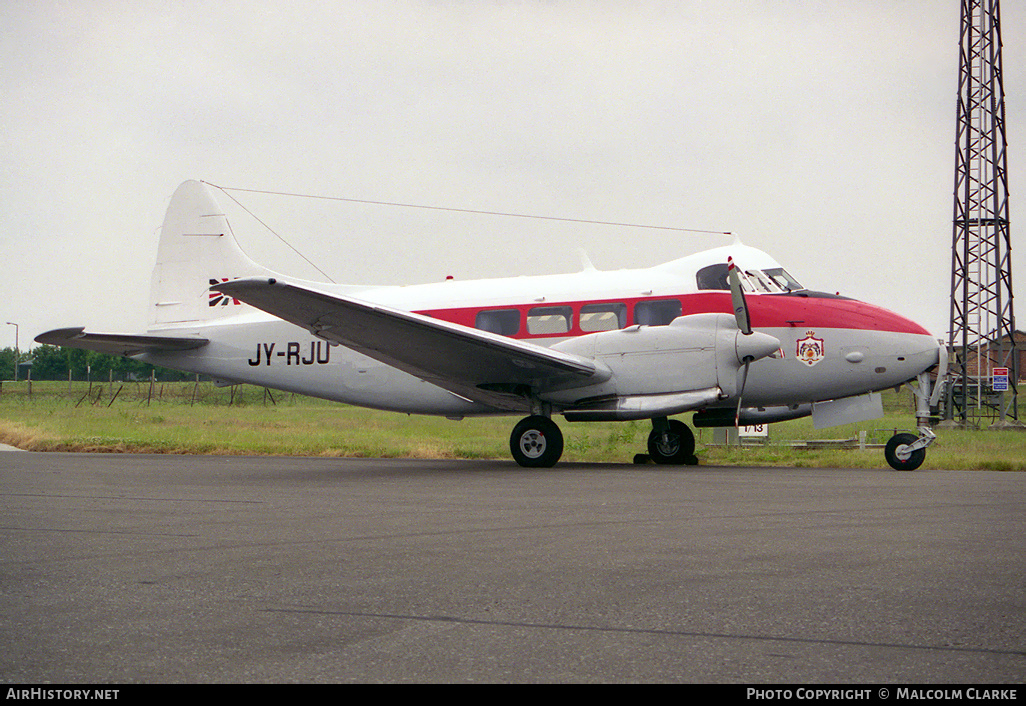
x=197 y=249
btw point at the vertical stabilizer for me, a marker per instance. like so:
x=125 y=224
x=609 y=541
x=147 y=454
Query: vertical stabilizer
x=197 y=249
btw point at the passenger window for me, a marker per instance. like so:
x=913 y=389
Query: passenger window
x=502 y=321
x=543 y=320
x=656 y=313
x=603 y=317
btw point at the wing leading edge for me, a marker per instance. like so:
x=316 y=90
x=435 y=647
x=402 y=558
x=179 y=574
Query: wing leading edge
x=477 y=365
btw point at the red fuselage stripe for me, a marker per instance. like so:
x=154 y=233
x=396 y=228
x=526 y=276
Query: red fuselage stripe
x=766 y=310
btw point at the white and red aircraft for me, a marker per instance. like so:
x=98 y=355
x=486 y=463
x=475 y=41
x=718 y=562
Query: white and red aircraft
x=740 y=344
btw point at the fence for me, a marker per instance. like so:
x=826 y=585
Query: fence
x=140 y=392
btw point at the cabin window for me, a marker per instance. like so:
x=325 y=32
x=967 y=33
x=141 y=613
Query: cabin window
x=658 y=312
x=505 y=322
x=548 y=320
x=603 y=317
x=713 y=277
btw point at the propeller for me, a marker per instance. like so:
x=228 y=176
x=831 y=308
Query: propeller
x=737 y=298
x=744 y=325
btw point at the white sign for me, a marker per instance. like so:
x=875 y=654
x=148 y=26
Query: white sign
x=753 y=430
x=1000 y=380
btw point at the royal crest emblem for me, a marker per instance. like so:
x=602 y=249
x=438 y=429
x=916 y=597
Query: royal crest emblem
x=810 y=350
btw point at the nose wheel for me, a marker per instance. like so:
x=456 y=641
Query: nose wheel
x=904 y=453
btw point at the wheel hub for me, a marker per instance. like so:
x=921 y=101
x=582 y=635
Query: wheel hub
x=668 y=444
x=532 y=443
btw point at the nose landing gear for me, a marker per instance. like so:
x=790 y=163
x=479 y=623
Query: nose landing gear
x=903 y=453
x=906 y=452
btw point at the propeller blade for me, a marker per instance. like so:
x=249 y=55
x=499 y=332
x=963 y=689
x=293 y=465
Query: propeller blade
x=737 y=298
x=741 y=393
x=756 y=345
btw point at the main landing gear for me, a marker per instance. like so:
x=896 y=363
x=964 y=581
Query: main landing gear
x=536 y=442
x=671 y=442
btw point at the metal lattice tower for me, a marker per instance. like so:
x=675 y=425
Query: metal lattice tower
x=982 y=320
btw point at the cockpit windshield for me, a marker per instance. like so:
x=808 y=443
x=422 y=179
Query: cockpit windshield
x=784 y=280
x=771 y=281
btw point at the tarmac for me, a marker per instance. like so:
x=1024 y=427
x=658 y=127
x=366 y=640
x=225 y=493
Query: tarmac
x=202 y=569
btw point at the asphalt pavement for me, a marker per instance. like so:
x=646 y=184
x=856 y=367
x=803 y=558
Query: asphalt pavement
x=149 y=568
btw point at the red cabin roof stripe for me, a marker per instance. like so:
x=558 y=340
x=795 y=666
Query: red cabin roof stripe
x=766 y=310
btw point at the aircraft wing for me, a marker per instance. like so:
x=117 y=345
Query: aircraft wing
x=117 y=343
x=477 y=365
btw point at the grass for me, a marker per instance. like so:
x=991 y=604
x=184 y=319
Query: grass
x=203 y=419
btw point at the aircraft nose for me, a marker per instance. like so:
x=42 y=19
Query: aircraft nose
x=915 y=355
x=755 y=345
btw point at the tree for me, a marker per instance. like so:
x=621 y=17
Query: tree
x=54 y=362
x=49 y=363
x=7 y=356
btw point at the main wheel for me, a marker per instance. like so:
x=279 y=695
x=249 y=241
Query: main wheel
x=536 y=442
x=677 y=446
x=899 y=457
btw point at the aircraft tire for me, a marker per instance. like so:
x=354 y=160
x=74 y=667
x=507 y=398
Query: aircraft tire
x=891 y=453
x=679 y=450
x=536 y=442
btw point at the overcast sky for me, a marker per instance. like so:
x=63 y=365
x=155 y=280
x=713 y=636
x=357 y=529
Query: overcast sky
x=821 y=132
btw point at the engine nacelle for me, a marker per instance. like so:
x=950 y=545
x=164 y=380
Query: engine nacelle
x=700 y=352
x=729 y=416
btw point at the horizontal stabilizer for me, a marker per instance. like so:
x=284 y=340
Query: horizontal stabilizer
x=478 y=365
x=117 y=343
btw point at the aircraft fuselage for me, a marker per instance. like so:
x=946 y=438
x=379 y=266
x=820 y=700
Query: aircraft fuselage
x=831 y=347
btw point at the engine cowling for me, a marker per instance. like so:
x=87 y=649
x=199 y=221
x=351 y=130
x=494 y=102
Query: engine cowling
x=662 y=370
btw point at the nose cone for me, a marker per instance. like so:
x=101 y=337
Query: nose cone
x=754 y=346
x=915 y=348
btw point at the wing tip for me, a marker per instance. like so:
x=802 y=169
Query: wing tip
x=58 y=335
